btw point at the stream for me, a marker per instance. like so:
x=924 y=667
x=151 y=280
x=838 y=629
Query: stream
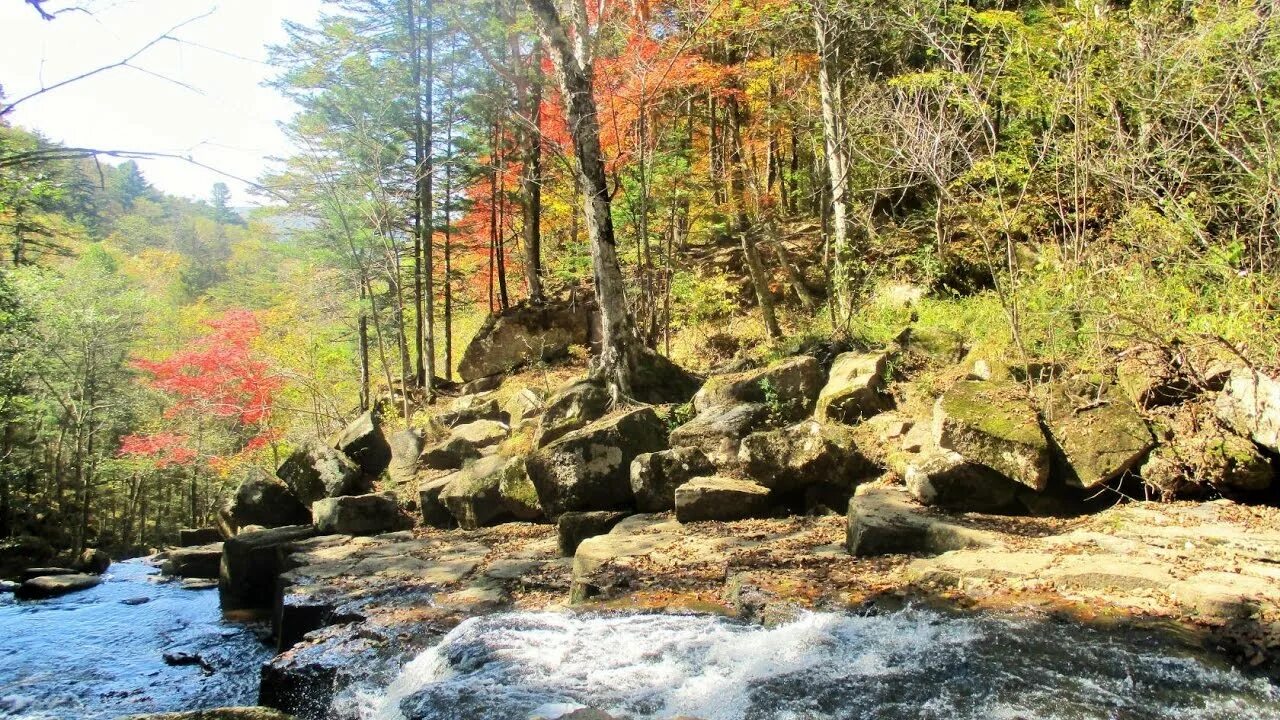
x=100 y=653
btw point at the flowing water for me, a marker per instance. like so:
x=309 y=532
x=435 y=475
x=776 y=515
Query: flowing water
x=99 y=653
x=912 y=664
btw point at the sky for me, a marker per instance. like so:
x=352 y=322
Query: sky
x=224 y=119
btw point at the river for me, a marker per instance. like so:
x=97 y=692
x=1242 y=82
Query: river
x=100 y=654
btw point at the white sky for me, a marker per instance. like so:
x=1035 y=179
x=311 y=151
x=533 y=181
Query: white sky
x=229 y=124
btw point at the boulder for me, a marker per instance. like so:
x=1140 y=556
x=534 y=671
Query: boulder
x=524 y=334
x=364 y=443
x=251 y=562
x=406 y=447
x=720 y=498
x=1250 y=405
x=718 y=432
x=589 y=469
x=992 y=423
x=882 y=521
x=525 y=404
x=571 y=408
x=657 y=380
x=92 y=561
x=198 y=561
x=855 y=388
x=1099 y=433
x=262 y=500
x=434 y=512
x=789 y=388
x=315 y=471
x=359 y=515
x=808 y=453
x=574 y=527
x=191 y=537
x=1198 y=457
x=945 y=479
x=473 y=408
x=465 y=442
x=655 y=476
x=490 y=490
x=35 y=572
x=482 y=385
x=47 y=586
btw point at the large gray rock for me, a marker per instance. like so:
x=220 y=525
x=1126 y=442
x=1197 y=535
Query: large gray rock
x=92 y=561
x=473 y=408
x=199 y=561
x=406 y=447
x=1101 y=434
x=719 y=431
x=993 y=423
x=571 y=408
x=251 y=562
x=855 y=388
x=720 y=498
x=262 y=500
x=434 y=512
x=359 y=515
x=524 y=334
x=798 y=456
x=1198 y=457
x=364 y=443
x=465 y=442
x=1250 y=405
x=490 y=490
x=882 y=521
x=574 y=527
x=655 y=476
x=315 y=471
x=48 y=586
x=945 y=479
x=589 y=469
x=789 y=387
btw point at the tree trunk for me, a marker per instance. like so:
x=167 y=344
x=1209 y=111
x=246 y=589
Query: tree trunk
x=423 y=274
x=621 y=350
x=529 y=100
x=837 y=160
x=737 y=179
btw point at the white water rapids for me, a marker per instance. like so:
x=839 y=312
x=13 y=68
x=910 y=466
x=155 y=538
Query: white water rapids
x=914 y=663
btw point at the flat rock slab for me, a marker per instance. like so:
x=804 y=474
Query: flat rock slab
x=955 y=567
x=201 y=561
x=884 y=521
x=54 y=585
x=1083 y=572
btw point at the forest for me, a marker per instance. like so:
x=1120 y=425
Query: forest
x=731 y=179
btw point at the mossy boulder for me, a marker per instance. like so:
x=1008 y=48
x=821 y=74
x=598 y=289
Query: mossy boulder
x=808 y=453
x=945 y=479
x=489 y=491
x=655 y=476
x=855 y=387
x=524 y=334
x=1098 y=431
x=718 y=432
x=1198 y=457
x=262 y=500
x=465 y=442
x=572 y=407
x=789 y=387
x=315 y=471
x=721 y=498
x=359 y=515
x=1250 y=405
x=364 y=443
x=993 y=423
x=589 y=469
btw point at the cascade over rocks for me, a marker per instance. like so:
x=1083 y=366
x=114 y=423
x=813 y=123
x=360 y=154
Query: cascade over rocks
x=364 y=443
x=490 y=490
x=721 y=498
x=589 y=469
x=794 y=385
x=261 y=500
x=526 y=333
x=993 y=423
x=1250 y=405
x=655 y=476
x=465 y=442
x=315 y=471
x=359 y=515
x=855 y=388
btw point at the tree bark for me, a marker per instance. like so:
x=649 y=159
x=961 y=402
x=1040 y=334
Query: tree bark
x=621 y=349
x=837 y=160
x=737 y=179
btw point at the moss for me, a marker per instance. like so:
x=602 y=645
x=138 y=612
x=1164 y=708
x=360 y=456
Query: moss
x=996 y=409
